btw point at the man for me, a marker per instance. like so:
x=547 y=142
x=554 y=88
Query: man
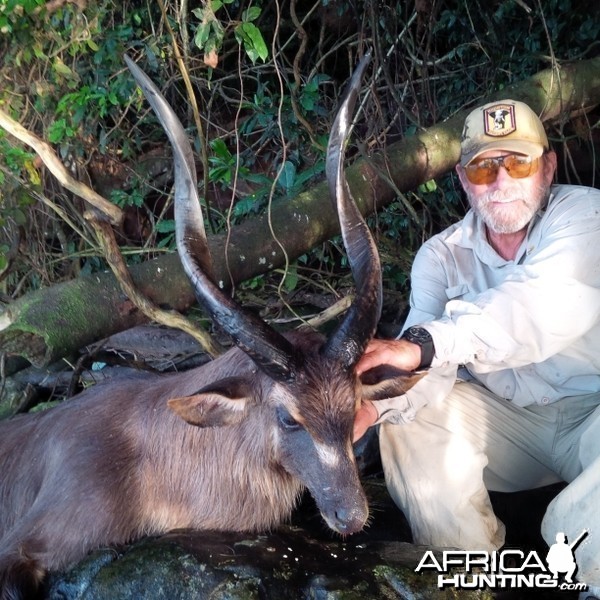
x=505 y=315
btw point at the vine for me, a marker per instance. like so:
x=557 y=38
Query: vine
x=257 y=90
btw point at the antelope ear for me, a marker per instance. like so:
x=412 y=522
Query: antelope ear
x=385 y=381
x=218 y=404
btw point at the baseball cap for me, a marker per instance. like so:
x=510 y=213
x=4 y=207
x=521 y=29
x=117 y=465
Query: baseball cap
x=503 y=125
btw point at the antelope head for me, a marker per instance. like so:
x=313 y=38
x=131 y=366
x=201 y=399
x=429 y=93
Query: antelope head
x=306 y=386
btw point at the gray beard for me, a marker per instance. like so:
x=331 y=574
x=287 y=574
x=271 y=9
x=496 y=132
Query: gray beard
x=511 y=217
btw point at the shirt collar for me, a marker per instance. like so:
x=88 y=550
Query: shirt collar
x=471 y=234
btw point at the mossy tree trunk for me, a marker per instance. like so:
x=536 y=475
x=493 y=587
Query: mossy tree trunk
x=54 y=322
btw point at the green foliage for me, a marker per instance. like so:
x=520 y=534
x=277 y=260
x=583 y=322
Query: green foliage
x=496 y=44
x=15 y=201
x=249 y=35
x=267 y=84
x=210 y=32
x=132 y=197
x=17 y=160
x=311 y=95
x=14 y=16
x=293 y=182
x=64 y=81
x=224 y=165
x=270 y=118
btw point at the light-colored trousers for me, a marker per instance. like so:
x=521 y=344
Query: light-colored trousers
x=439 y=468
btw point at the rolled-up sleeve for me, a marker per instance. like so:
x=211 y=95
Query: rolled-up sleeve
x=528 y=330
x=544 y=306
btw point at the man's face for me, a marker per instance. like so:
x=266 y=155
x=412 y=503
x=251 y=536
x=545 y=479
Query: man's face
x=508 y=204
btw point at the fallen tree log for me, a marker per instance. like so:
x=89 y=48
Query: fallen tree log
x=54 y=322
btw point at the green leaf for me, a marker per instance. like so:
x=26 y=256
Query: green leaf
x=62 y=69
x=244 y=206
x=56 y=131
x=38 y=51
x=428 y=186
x=254 y=44
x=19 y=217
x=287 y=177
x=308 y=102
x=251 y=14
x=308 y=174
x=165 y=226
x=220 y=174
x=5 y=26
x=291 y=278
x=202 y=34
x=220 y=149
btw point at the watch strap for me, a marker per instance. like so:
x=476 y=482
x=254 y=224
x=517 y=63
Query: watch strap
x=423 y=339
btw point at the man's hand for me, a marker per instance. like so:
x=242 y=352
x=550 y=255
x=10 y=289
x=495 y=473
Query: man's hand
x=365 y=417
x=401 y=354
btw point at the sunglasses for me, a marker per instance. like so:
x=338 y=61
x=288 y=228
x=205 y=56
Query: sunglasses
x=485 y=170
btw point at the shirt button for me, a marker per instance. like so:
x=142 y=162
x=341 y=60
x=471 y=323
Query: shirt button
x=545 y=400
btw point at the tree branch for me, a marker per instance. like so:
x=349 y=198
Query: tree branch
x=48 y=156
x=44 y=325
x=114 y=258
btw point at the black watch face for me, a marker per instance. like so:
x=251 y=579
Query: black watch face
x=418 y=334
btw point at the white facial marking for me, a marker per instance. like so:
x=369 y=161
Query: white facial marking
x=327 y=455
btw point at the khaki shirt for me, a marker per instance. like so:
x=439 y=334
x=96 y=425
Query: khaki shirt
x=528 y=329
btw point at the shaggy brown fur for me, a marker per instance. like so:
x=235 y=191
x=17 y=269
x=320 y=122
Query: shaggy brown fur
x=115 y=463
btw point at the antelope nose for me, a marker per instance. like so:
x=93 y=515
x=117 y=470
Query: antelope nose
x=350 y=520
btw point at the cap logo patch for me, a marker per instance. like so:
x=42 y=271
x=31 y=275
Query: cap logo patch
x=499 y=120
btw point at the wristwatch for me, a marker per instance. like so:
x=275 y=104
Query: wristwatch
x=423 y=339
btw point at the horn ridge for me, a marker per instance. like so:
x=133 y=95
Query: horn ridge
x=272 y=352
x=351 y=337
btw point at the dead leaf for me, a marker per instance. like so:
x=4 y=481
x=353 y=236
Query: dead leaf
x=211 y=59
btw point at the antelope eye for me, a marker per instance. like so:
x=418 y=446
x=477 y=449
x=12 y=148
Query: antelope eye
x=286 y=420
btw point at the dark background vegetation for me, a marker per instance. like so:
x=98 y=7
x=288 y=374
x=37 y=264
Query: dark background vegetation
x=266 y=78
